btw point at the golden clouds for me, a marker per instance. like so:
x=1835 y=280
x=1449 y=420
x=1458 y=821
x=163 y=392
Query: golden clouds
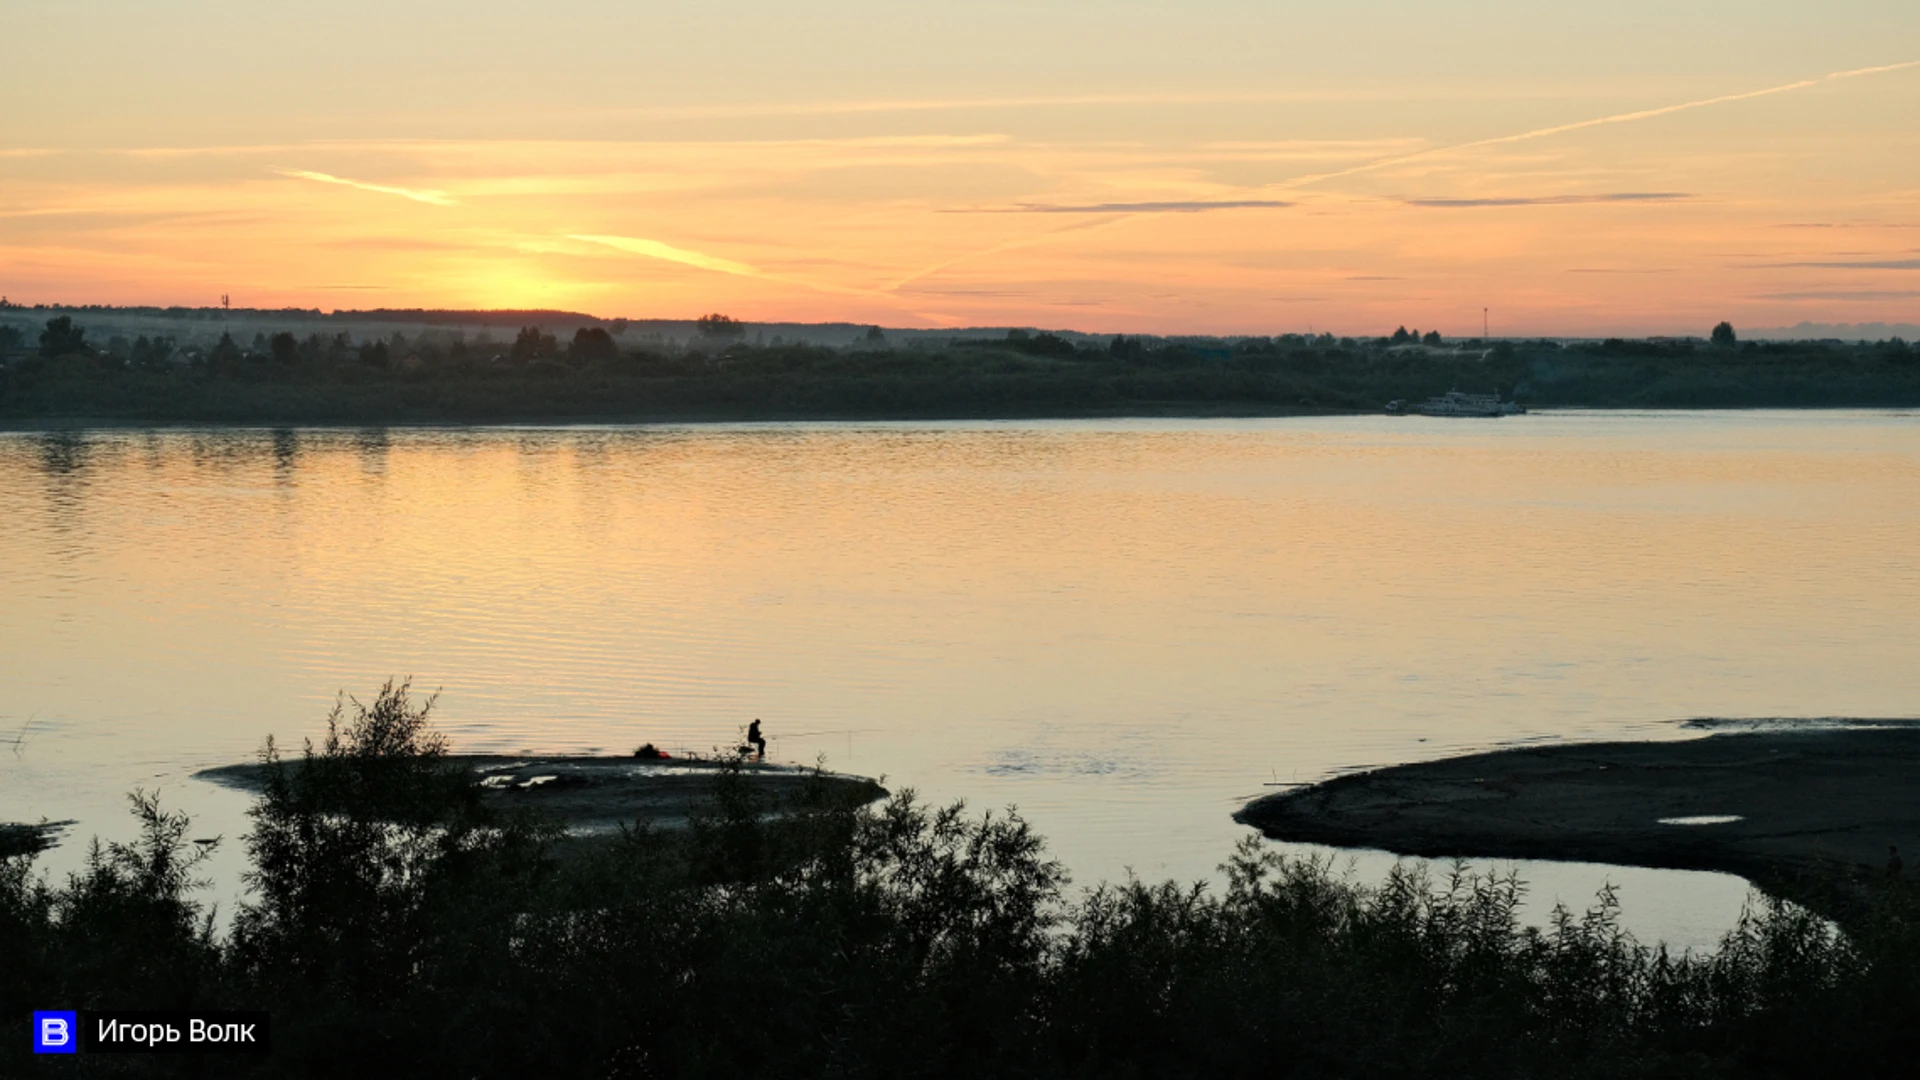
x=1217 y=214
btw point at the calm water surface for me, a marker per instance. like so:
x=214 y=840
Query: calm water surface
x=1125 y=628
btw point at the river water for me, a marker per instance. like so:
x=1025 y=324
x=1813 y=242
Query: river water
x=1125 y=628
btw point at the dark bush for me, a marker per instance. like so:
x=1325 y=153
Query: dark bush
x=397 y=927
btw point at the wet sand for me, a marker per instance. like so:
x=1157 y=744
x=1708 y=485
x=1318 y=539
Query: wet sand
x=601 y=793
x=1799 y=810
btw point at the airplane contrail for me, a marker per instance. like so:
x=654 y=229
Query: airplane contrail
x=654 y=249
x=1010 y=245
x=1122 y=213
x=1618 y=118
x=431 y=197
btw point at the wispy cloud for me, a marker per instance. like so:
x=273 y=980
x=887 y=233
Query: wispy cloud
x=424 y=195
x=1881 y=264
x=1010 y=245
x=1321 y=147
x=1167 y=207
x=1554 y=200
x=654 y=249
x=1579 y=125
x=1838 y=294
x=854 y=108
x=394 y=243
x=1847 y=225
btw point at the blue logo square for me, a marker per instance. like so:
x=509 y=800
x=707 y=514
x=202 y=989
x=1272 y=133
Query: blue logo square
x=56 y=1033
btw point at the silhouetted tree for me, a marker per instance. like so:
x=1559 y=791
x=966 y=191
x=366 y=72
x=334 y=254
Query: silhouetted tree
x=532 y=344
x=718 y=325
x=375 y=354
x=151 y=352
x=225 y=355
x=1046 y=344
x=285 y=348
x=1432 y=338
x=1723 y=335
x=62 y=337
x=592 y=343
x=1401 y=337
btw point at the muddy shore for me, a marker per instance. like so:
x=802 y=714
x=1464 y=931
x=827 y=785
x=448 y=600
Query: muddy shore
x=1799 y=810
x=19 y=838
x=592 y=794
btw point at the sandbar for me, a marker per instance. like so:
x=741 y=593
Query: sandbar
x=1799 y=809
x=590 y=794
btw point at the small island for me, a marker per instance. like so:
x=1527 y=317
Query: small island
x=1802 y=809
x=589 y=794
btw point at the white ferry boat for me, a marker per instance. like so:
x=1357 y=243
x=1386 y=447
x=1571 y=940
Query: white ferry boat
x=1456 y=403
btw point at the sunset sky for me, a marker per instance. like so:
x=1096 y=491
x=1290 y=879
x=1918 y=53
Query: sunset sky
x=1212 y=166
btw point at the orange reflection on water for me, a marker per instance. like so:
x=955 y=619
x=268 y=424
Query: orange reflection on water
x=1124 y=627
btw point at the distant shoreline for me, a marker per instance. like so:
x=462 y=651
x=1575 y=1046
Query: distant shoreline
x=81 y=423
x=44 y=425
x=439 y=377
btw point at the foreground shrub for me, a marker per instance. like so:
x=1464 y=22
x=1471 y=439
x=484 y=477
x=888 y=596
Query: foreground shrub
x=397 y=927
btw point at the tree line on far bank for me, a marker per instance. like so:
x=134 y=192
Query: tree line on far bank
x=598 y=373
x=397 y=925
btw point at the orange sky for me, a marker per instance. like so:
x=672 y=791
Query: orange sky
x=1230 y=167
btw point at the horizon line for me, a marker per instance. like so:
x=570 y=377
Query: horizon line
x=1755 y=334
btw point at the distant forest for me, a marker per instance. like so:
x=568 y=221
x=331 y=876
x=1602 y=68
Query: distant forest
x=454 y=369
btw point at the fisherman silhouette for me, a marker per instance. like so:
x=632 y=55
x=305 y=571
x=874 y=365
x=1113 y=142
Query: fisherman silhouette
x=753 y=736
